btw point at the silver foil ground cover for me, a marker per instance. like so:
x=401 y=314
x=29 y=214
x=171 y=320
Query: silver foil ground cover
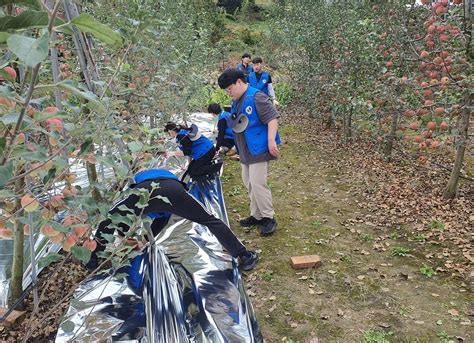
x=188 y=289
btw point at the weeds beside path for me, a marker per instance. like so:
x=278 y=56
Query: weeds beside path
x=377 y=283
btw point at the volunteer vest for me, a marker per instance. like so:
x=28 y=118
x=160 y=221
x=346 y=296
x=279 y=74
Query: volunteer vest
x=246 y=69
x=229 y=133
x=152 y=174
x=261 y=84
x=199 y=147
x=256 y=133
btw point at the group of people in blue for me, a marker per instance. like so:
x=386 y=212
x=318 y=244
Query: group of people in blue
x=251 y=127
x=256 y=76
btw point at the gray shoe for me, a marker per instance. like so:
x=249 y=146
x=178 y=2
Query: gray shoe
x=268 y=226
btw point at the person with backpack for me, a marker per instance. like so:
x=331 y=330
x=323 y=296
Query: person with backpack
x=167 y=195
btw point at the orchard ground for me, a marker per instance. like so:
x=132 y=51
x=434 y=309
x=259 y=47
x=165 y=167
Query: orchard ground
x=373 y=282
x=376 y=283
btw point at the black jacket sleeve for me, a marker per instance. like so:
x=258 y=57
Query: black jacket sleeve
x=221 y=127
x=185 y=144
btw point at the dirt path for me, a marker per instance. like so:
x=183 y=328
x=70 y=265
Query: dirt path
x=369 y=288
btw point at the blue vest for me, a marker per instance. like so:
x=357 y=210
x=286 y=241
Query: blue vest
x=151 y=174
x=262 y=84
x=246 y=69
x=200 y=146
x=229 y=133
x=256 y=133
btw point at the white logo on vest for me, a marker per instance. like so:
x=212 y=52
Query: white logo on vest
x=248 y=109
x=264 y=81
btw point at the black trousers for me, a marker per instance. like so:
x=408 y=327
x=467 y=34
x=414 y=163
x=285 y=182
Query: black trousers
x=181 y=204
x=204 y=165
x=226 y=142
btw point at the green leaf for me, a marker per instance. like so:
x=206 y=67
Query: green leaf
x=68 y=326
x=135 y=146
x=30 y=3
x=93 y=101
x=108 y=237
x=79 y=304
x=29 y=50
x=13 y=118
x=87 y=23
x=59 y=227
x=27 y=19
x=48 y=259
x=3 y=142
x=81 y=253
x=5 y=193
x=50 y=175
x=3 y=37
x=6 y=173
x=85 y=146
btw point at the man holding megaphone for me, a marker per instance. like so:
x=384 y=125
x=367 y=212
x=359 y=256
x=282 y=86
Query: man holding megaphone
x=254 y=120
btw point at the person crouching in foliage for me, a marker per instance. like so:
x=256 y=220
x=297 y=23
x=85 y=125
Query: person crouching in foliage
x=192 y=143
x=158 y=193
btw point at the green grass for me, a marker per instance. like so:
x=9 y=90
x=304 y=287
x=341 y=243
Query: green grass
x=365 y=237
x=436 y=225
x=376 y=336
x=427 y=271
x=400 y=251
x=444 y=336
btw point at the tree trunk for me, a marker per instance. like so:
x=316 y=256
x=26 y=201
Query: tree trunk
x=16 y=282
x=388 y=146
x=348 y=126
x=92 y=176
x=452 y=186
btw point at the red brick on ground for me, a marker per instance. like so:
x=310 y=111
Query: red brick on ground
x=12 y=317
x=308 y=261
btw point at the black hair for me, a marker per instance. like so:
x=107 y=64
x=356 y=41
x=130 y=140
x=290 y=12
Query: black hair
x=246 y=54
x=171 y=126
x=214 y=108
x=257 y=60
x=229 y=77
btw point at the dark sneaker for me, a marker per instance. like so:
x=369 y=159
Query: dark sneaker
x=248 y=260
x=250 y=221
x=268 y=226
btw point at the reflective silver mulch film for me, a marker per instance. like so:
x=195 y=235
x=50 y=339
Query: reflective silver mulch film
x=188 y=289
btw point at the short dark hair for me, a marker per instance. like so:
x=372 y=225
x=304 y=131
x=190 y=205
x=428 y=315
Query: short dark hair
x=214 y=108
x=257 y=60
x=246 y=54
x=170 y=126
x=230 y=76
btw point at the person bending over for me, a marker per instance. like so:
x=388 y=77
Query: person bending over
x=192 y=143
x=161 y=183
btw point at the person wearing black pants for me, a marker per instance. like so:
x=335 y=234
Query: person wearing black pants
x=181 y=203
x=192 y=143
x=225 y=135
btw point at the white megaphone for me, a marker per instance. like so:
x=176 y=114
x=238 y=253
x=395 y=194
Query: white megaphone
x=238 y=122
x=194 y=133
